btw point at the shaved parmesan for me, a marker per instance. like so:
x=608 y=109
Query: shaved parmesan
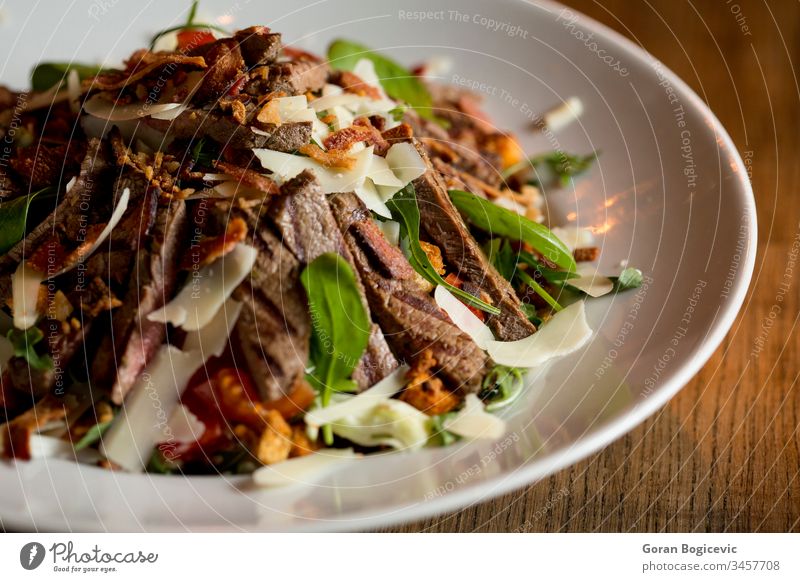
x=382 y=175
x=170 y=113
x=25 y=284
x=372 y=198
x=563 y=115
x=391 y=230
x=287 y=166
x=574 y=236
x=103 y=109
x=591 y=283
x=365 y=70
x=473 y=422
x=463 y=318
x=212 y=338
x=354 y=405
x=130 y=440
x=392 y=423
x=208 y=288
x=116 y=216
x=301 y=470
x=294 y=109
x=566 y=332
x=405 y=162
x=152 y=400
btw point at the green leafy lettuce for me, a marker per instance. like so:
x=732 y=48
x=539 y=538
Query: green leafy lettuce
x=24 y=344
x=13 y=217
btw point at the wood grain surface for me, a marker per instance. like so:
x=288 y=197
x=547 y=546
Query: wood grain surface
x=723 y=455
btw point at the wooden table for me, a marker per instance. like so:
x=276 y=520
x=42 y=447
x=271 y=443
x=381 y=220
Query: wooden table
x=723 y=455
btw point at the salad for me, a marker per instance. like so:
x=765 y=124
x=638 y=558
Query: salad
x=229 y=255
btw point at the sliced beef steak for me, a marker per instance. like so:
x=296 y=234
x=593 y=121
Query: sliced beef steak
x=274 y=328
x=225 y=130
x=307 y=227
x=444 y=226
x=152 y=283
x=259 y=46
x=401 y=303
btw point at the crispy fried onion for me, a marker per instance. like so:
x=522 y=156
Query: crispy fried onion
x=425 y=391
x=352 y=83
x=211 y=248
x=361 y=130
x=330 y=158
x=248 y=177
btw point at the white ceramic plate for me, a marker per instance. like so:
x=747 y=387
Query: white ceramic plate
x=669 y=195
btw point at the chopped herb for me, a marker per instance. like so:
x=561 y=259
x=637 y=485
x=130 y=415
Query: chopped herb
x=630 y=278
x=24 y=343
x=501 y=387
x=14 y=216
x=92 y=435
x=539 y=290
x=398 y=82
x=190 y=24
x=341 y=327
x=498 y=221
x=47 y=75
x=556 y=166
x=405 y=210
x=440 y=436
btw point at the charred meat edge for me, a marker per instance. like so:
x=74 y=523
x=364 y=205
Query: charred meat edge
x=443 y=225
x=304 y=220
x=401 y=303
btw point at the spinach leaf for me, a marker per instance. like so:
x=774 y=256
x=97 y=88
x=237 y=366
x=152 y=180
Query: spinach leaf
x=341 y=325
x=24 y=342
x=501 y=387
x=396 y=80
x=46 y=75
x=555 y=166
x=405 y=210
x=498 y=221
x=630 y=278
x=92 y=435
x=14 y=215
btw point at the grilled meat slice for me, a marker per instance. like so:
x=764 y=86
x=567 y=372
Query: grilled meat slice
x=274 y=328
x=401 y=303
x=194 y=123
x=307 y=227
x=259 y=46
x=444 y=226
x=225 y=67
x=460 y=152
x=120 y=360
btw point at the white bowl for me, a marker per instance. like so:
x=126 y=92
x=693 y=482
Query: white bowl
x=669 y=195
